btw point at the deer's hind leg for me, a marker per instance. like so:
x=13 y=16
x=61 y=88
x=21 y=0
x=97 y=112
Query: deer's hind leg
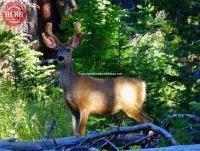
x=83 y=121
x=136 y=114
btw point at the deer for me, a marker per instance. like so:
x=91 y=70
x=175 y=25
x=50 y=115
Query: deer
x=87 y=95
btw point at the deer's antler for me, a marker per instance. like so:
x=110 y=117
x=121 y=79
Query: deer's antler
x=77 y=27
x=50 y=32
x=76 y=39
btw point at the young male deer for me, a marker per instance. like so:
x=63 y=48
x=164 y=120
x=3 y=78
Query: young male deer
x=86 y=95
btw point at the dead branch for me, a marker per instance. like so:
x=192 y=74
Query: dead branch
x=193 y=117
x=50 y=129
x=139 y=141
x=126 y=130
x=48 y=62
x=119 y=136
x=107 y=142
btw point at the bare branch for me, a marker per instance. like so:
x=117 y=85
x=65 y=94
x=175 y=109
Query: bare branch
x=191 y=116
x=126 y=130
x=137 y=141
x=48 y=62
x=107 y=142
x=50 y=129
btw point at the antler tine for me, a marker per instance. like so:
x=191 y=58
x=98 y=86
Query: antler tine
x=61 y=2
x=77 y=27
x=75 y=40
x=50 y=32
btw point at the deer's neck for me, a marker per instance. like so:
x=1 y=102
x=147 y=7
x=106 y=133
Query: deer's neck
x=67 y=76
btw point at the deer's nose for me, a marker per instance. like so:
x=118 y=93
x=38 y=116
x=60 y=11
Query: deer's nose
x=61 y=58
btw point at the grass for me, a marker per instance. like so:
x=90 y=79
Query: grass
x=25 y=118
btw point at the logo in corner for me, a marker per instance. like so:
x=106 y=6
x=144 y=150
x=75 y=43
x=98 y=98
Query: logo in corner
x=14 y=13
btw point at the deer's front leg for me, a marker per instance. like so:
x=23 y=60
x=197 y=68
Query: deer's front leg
x=75 y=118
x=83 y=121
x=75 y=122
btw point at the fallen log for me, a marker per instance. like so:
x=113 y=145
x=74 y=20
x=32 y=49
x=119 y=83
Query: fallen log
x=111 y=138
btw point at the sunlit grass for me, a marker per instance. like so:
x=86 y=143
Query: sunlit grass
x=26 y=119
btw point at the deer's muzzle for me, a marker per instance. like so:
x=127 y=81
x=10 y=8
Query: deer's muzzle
x=61 y=58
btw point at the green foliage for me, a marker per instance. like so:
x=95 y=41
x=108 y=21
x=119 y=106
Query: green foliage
x=25 y=118
x=151 y=61
x=23 y=63
x=100 y=43
x=182 y=42
x=28 y=102
x=160 y=57
x=195 y=107
x=181 y=131
x=185 y=131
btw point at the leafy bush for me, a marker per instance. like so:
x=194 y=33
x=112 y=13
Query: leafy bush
x=28 y=101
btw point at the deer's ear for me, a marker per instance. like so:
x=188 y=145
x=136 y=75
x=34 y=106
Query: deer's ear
x=75 y=40
x=49 y=41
